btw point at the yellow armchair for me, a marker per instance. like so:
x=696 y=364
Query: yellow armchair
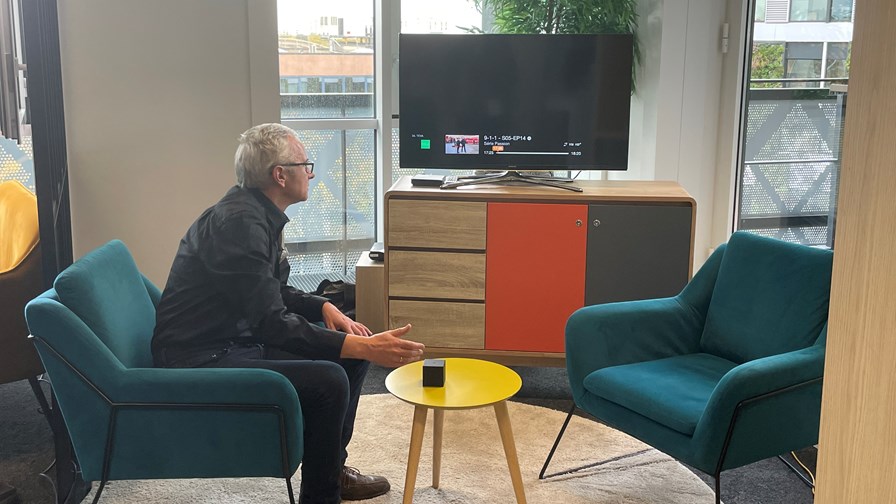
x=20 y=280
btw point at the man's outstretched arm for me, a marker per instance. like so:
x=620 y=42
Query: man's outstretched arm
x=388 y=348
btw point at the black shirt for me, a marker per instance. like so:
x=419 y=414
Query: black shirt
x=228 y=285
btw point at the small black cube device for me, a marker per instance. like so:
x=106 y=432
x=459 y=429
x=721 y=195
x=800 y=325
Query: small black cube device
x=434 y=373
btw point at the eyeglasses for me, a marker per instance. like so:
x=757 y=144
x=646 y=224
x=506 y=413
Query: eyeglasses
x=309 y=166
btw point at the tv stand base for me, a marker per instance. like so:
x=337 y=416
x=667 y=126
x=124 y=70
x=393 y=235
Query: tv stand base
x=514 y=176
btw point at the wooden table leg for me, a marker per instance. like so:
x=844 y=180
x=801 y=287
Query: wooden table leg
x=513 y=462
x=438 y=420
x=410 y=478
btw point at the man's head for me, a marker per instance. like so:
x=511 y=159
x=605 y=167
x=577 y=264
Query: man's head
x=271 y=158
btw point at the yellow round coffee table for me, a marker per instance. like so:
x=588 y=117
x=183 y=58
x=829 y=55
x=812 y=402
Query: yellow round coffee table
x=469 y=383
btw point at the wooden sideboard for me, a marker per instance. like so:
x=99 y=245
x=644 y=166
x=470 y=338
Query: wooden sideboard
x=494 y=271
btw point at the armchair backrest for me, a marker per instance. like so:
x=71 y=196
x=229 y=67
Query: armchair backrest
x=109 y=294
x=770 y=297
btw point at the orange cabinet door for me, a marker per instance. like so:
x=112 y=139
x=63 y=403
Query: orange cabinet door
x=534 y=274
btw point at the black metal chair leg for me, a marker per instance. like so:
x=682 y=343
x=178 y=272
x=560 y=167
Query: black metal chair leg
x=99 y=491
x=544 y=468
x=68 y=487
x=292 y=499
x=796 y=471
x=717 y=477
x=556 y=442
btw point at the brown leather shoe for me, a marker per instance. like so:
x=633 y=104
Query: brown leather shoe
x=356 y=486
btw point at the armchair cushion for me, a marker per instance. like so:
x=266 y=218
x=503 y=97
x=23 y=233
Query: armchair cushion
x=107 y=291
x=687 y=384
x=770 y=297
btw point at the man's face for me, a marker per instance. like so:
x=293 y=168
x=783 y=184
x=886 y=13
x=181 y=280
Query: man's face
x=297 y=177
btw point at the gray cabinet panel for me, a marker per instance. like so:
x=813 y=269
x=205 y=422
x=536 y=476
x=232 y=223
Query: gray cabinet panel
x=636 y=252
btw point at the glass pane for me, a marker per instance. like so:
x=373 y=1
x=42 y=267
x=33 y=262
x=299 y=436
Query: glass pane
x=326 y=58
x=837 y=64
x=808 y=10
x=326 y=234
x=790 y=157
x=803 y=62
x=767 y=64
x=841 y=10
x=760 y=11
x=446 y=16
x=804 y=50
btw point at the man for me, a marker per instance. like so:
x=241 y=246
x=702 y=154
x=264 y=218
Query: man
x=227 y=304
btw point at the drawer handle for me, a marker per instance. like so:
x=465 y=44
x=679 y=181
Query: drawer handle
x=596 y=223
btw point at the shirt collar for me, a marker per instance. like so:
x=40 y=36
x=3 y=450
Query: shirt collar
x=276 y=218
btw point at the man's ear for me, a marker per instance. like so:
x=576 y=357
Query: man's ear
x=278 y=177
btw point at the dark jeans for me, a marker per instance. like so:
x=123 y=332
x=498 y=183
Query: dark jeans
x=328 y=393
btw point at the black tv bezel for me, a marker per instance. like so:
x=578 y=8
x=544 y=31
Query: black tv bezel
x=442 y=163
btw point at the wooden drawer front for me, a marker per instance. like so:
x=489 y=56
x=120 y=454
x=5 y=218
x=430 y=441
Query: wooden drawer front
x=436 y=224
x=441 y=275
x=436 y=324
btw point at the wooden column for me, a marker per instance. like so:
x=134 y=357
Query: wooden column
x=857 y=447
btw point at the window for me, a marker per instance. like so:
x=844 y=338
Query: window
x=802 y=60
x=760 y=11
x=790 y=153
x=326 y=57
x=841 y=10
x=16 y=149
x=325 y=53
x=819 y=10
x=837 y=63
x=808 y=10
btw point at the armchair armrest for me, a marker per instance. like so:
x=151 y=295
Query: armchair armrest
x=765 y=382
x=213 y=422
x=623 y=333
x=259 y=387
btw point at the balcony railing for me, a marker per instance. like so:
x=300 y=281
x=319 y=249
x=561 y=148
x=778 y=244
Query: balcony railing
x=791 y=161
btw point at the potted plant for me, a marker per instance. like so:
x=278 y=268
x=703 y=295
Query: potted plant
x=565 y=16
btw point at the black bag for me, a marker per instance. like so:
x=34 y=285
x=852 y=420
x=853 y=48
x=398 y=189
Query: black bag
x=341 y=294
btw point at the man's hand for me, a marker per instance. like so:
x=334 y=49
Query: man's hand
x=336 y=320
x=387 y=348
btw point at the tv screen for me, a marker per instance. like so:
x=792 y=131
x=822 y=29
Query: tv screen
x=515 y=102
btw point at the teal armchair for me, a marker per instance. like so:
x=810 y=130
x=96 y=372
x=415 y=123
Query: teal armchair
x=726 y=373
x=128 y=420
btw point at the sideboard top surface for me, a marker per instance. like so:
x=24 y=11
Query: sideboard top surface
x=593 y=190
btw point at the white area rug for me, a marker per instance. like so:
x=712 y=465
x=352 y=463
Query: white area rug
x=474 y=469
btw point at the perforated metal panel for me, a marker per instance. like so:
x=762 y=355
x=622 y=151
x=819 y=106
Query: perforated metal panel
x=786 y=190
x=17 y=161
x=791 y=162
x=337 y=222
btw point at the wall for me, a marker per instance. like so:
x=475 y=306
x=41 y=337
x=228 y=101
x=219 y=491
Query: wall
x=156 y=94
x=857 y=441
x=675 y=113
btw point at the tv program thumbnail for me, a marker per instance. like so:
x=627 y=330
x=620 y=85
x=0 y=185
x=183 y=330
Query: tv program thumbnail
x=461 y=144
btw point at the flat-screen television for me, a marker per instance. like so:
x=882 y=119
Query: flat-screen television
x=515 y=102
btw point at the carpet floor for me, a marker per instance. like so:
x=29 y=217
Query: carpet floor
x=474 y=469
x=26 y=449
